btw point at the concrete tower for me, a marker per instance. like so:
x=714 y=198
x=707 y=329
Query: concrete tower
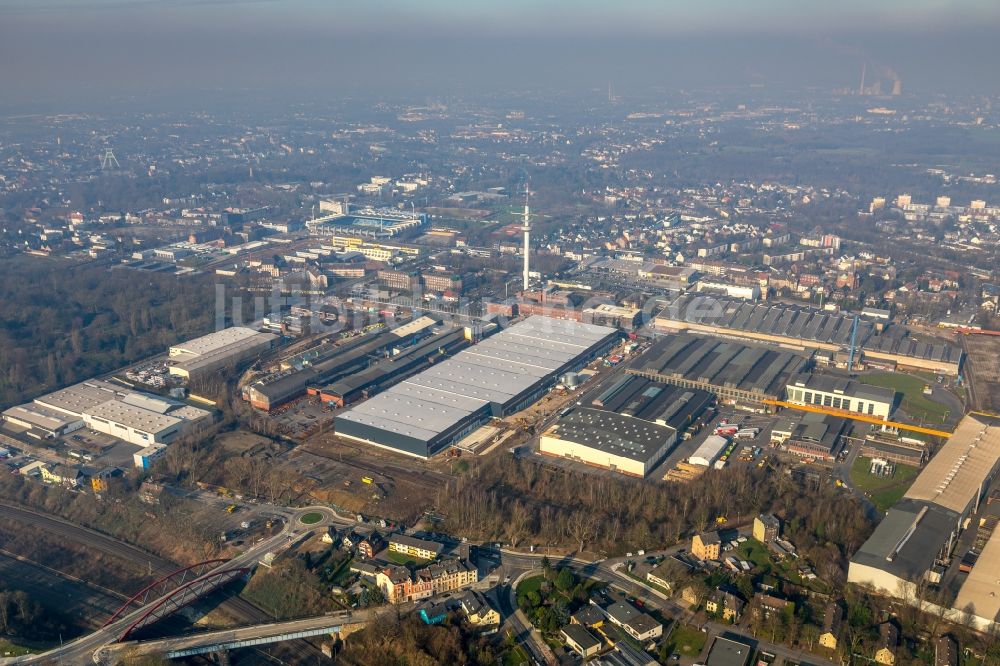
x=527 y=241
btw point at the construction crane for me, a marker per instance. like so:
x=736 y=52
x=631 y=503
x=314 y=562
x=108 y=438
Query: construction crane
x=864 y=418
x=854 y=341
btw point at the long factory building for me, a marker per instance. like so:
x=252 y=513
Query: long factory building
x=496 y=377
x=325 y=363
x=734 y=371
x=806 y=327
x=147 y=421
x=217 y=351
x=919 y=540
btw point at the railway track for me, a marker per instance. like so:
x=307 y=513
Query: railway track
x=239 y=609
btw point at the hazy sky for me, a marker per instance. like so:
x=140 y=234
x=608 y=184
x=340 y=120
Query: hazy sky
x=58 y=51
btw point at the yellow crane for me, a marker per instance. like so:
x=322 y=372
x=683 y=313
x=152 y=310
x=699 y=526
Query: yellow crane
x=865 y=418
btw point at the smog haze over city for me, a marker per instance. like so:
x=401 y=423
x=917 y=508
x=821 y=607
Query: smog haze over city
x=553 y=332
x=94 y=51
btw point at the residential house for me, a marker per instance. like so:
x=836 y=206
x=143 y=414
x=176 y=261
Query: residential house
x=888 y=640
x=433 y=613
x=371 y=545
x=643 y=628
x=638 y=625
x=832 y=618
x=946 y=651
x=398 y=584
x=706 y=546
x=588 y=616
x=478 y=610
x=689 y=595
x=419 y=548
x=329 y=535
x=102 y=480
x=580 y=640
x=768 y=605
x=351 y=539
x=726 y=603
x=662 y=575
x=63 y=475
x=766 y=528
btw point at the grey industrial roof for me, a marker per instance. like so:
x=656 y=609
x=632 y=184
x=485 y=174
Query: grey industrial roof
x=613 y=433
x=496 y=370
x=908 y=539
x=131 y=416
x=802 y=322
x=39 y=416
x=217 y=340
x=80 y=397
x=956 y=473
x=737 y=365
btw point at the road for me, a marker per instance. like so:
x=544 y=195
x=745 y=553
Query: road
x=81 y=649
x=111 y=654
x=606 y=571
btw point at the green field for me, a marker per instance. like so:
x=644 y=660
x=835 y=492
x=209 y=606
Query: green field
x=311 y=518
x=882 y=491
x=8 y=649
x=405 y=560
x=532 y=583
x=686 y=640
x=516 y=656
x=914 y=403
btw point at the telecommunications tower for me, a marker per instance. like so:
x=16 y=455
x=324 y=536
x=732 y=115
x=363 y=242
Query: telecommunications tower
x=527 y=241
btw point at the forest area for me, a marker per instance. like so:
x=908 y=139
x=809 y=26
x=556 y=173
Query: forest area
x=524 y=503
x=62 y=323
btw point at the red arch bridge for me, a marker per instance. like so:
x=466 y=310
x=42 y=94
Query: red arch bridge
x=174 y=591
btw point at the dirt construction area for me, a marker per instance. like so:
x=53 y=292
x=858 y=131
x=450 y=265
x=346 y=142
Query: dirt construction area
x=982 y=371
x=365 y=479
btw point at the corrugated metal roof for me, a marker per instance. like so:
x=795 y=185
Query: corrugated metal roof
x=954 y=476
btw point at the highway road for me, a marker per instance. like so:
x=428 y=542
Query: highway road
x=110 y=654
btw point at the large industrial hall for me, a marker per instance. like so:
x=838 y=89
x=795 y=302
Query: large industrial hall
x=500 y=375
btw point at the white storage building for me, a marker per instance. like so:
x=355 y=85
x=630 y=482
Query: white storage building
x=709 y=451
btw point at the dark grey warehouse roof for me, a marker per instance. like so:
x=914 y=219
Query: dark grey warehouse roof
x=613 y=433
x=892 y=547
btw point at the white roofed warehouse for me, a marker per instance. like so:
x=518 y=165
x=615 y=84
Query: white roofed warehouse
x=209 y=353
x=917 y=541
x=501 y=375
